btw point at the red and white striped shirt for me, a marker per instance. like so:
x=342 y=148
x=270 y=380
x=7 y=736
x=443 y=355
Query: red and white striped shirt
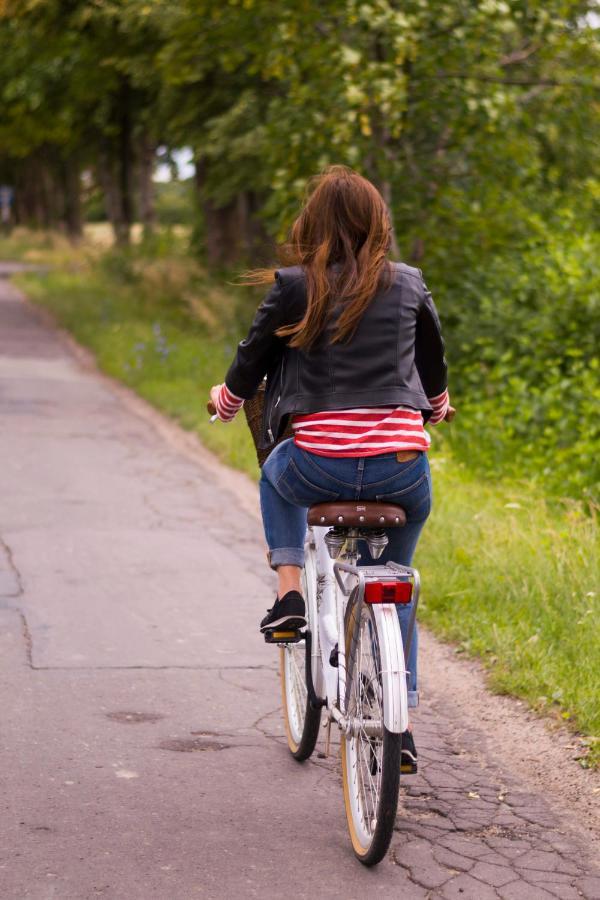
x=364 y=431
x=228 y=405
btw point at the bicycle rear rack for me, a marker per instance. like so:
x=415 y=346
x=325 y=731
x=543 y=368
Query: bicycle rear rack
x=378 y=573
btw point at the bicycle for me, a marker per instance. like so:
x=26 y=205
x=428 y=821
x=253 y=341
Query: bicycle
x=349 y=661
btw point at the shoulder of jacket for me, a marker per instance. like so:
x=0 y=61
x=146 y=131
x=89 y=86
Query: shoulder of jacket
x=403 y=269
x=289 y=275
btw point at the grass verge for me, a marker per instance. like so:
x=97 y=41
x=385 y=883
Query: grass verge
x=513 y=578
x=509 y=576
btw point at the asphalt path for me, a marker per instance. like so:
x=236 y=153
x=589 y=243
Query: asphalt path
x=142 y=748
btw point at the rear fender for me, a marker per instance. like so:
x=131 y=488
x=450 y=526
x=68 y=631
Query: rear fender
x=393 y=668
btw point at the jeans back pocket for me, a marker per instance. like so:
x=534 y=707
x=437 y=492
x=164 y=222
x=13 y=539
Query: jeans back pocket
x=415 y=498
x=295 y=487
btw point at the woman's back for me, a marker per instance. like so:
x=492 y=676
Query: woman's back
x=394 y=356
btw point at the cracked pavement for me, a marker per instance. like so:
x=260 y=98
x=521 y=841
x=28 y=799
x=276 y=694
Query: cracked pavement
x=143 y=754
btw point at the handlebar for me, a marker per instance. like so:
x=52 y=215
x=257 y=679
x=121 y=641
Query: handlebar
x=212 y=411
x=450 y=414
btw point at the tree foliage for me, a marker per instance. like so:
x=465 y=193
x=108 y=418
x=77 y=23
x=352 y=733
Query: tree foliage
x=478 y=122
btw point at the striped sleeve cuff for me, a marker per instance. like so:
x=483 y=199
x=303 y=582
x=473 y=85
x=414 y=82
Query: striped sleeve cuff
x=439 y=406
x=228 y=404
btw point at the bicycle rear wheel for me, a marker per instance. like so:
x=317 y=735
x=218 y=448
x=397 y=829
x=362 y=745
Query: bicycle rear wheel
x=301 y=719
x=370 y=753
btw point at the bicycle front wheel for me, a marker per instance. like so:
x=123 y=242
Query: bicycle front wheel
x=301 y=719
x=370 y=753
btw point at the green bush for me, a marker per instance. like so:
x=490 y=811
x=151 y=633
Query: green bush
x=522 y=334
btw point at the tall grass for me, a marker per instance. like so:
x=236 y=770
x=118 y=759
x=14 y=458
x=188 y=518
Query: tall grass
x=509 y=576
x=514 y=578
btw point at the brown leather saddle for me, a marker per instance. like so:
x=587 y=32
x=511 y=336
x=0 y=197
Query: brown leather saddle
x=357 y=514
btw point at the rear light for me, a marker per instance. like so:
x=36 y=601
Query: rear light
x=388 y=592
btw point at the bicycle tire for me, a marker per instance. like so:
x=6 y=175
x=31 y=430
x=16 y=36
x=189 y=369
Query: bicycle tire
x=301 y=719
x=370 y=839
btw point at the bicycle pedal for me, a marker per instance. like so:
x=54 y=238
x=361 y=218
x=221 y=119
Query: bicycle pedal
x=289 y=636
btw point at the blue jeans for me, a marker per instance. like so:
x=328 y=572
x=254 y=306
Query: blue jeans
x=293 y=479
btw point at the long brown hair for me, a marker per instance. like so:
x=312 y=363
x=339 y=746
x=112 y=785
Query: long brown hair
x=341 y=239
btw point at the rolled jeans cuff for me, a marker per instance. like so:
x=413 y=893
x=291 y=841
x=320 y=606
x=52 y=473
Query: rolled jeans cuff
x=286 y=556
x=413 y=699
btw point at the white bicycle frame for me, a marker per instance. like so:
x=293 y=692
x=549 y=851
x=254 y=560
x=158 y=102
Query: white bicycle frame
x=329 y=585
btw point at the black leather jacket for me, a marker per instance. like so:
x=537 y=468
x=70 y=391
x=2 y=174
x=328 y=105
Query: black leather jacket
x=395 y=357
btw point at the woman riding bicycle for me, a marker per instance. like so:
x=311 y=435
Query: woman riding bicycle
x=351 y=347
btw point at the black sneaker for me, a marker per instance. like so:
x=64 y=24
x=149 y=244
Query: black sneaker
x=289 y=612
x=408 y=758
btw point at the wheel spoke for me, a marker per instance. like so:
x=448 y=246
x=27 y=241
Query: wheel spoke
x=365 y=704
x=301 y=720
x=296 y=685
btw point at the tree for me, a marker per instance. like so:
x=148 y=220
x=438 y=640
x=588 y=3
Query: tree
x=79 y=89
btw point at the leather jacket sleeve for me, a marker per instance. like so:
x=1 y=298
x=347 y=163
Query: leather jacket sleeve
x=261 y=349
x=429 y=348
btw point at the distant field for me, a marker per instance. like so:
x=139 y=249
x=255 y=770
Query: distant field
x=508 y=576
x=52 y=247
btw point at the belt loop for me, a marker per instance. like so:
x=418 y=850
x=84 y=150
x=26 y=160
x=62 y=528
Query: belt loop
x=359 y=475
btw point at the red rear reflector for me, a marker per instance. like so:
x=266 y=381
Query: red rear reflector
x=388 y=591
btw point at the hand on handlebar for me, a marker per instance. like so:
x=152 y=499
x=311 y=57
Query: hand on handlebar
x=211 y=406
x=451 y=412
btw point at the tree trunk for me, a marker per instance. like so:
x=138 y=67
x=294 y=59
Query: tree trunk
x=259 y=246
x=233 y=233
x=222 y=232
x=383 y=160
x=20 y=203
x=125 y=164
x=385 y=189
x=38 y=185
x=115 y=169
x=109 y=183
x=222 y=224
x=146 y=185
x=39 y=200
x=71 y=185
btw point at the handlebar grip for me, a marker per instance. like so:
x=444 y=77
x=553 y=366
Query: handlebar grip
x=450 y=414
x=211 y=408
